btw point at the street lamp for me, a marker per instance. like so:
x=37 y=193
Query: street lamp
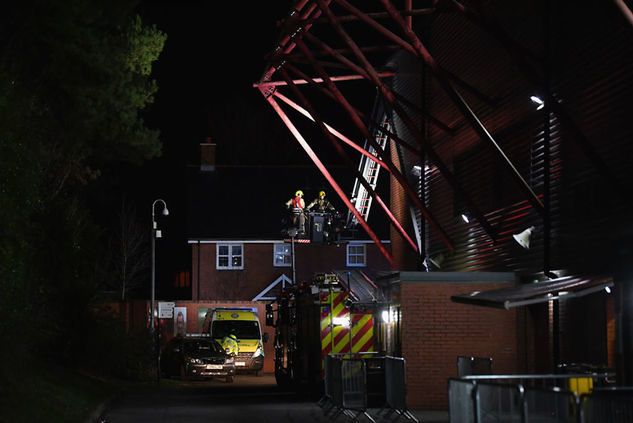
x=155 y=234
x=293 y=234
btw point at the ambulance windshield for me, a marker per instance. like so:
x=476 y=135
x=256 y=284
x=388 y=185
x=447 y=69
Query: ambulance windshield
x=244 y=329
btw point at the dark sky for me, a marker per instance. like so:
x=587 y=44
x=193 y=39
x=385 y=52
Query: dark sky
x=214 y=52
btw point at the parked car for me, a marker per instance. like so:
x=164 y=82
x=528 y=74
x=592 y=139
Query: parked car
x=196 y=358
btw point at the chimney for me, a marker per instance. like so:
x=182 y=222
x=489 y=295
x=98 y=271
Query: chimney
x=207 y=155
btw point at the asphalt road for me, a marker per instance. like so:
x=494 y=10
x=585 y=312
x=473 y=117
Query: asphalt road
x=249 y=399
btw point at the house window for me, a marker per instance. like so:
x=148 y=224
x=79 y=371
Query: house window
x=230 y=256
x=282 y=255
x=356 y=255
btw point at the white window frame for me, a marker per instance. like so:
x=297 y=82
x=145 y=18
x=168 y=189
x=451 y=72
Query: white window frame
x=230 y=256
x=275 y=253
x=364 y=255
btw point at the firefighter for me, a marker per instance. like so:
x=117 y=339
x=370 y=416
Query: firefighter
x=297 y=205
x=229 y=343
x=322 y=204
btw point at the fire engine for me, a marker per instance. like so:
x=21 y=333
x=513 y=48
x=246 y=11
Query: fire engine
x=331 y=314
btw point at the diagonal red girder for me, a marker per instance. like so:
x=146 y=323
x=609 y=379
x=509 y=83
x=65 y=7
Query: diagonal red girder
x=315 y=159
x=392 y=219
x=357 y=121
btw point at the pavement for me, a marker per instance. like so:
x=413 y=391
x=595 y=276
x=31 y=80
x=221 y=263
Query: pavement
x=249 y=399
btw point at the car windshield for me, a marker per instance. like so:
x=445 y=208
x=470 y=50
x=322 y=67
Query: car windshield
x=244 y=329
x=202 y=346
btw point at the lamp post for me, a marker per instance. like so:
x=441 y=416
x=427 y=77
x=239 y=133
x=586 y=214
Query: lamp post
x=155 y=234
x=293 y=234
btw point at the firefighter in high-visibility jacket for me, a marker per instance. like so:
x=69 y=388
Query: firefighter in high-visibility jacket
x=297 y=205
x=229 y=343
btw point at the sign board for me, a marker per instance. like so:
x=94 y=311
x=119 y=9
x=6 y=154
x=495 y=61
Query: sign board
x=166 y=310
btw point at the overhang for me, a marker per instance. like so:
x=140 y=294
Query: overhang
x=563 y=288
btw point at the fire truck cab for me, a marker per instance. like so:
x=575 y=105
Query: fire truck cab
x=324 y=316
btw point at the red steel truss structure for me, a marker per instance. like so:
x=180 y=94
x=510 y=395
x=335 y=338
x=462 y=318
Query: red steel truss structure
x=326 y=46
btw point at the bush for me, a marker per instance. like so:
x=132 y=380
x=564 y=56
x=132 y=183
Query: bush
x=112 y=352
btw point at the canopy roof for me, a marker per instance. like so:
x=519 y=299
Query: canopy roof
x=557 y=289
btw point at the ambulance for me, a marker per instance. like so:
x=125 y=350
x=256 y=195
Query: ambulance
x=244 y=321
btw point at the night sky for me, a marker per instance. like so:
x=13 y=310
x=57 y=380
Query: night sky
x=204 y=71
x=214 y=52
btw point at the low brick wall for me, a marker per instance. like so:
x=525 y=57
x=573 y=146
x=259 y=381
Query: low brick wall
x=436 y=330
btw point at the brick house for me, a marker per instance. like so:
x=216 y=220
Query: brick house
x=253 y=270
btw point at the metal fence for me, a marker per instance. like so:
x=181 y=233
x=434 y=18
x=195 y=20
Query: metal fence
x=537 y=398
x=550 y=405
x=495 y=402
x=395 y=389
x=352 y=381
x=345 y=388
x=613 y=405
x=473 y=366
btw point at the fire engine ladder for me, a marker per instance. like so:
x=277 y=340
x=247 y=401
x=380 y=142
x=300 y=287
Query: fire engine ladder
x=369 y=169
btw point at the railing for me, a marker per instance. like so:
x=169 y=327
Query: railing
x=538 y=398
x=613 y=405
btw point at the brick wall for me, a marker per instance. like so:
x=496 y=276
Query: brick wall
x=259 y=270
x=435 y=331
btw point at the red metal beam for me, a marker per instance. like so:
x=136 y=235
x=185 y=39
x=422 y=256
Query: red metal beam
x=375 y=125
x=377 y=15
x=285 y=45
x=313 y=156
x=407 y=47
x=389 y=97
x=462 y=106
x=408 y=5
x=357 y=121
x=626 y=12
x=367 y=49
x=333 y=131
x=340 y=78
x=361 y=71
x=350 y=164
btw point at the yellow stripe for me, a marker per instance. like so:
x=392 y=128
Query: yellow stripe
x=343 y=342
x=325 y=339
x=360 y=324
x=362 y=341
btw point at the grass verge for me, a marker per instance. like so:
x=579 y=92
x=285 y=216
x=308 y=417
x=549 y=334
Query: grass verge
x=34 y=391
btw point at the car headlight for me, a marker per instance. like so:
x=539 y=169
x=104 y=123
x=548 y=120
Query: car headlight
x=258 y=352
x=195 y=360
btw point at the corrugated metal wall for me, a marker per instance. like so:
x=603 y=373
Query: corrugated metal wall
x=591 y=71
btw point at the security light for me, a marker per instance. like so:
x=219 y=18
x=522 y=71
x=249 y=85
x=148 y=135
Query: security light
x=523 y=238
x=537 y=100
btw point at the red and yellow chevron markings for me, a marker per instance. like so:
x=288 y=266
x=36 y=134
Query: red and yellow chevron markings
x=335 y=326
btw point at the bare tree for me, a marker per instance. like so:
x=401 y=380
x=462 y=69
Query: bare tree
x=129 y=250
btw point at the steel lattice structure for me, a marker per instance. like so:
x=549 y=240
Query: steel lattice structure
x=325 y=44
